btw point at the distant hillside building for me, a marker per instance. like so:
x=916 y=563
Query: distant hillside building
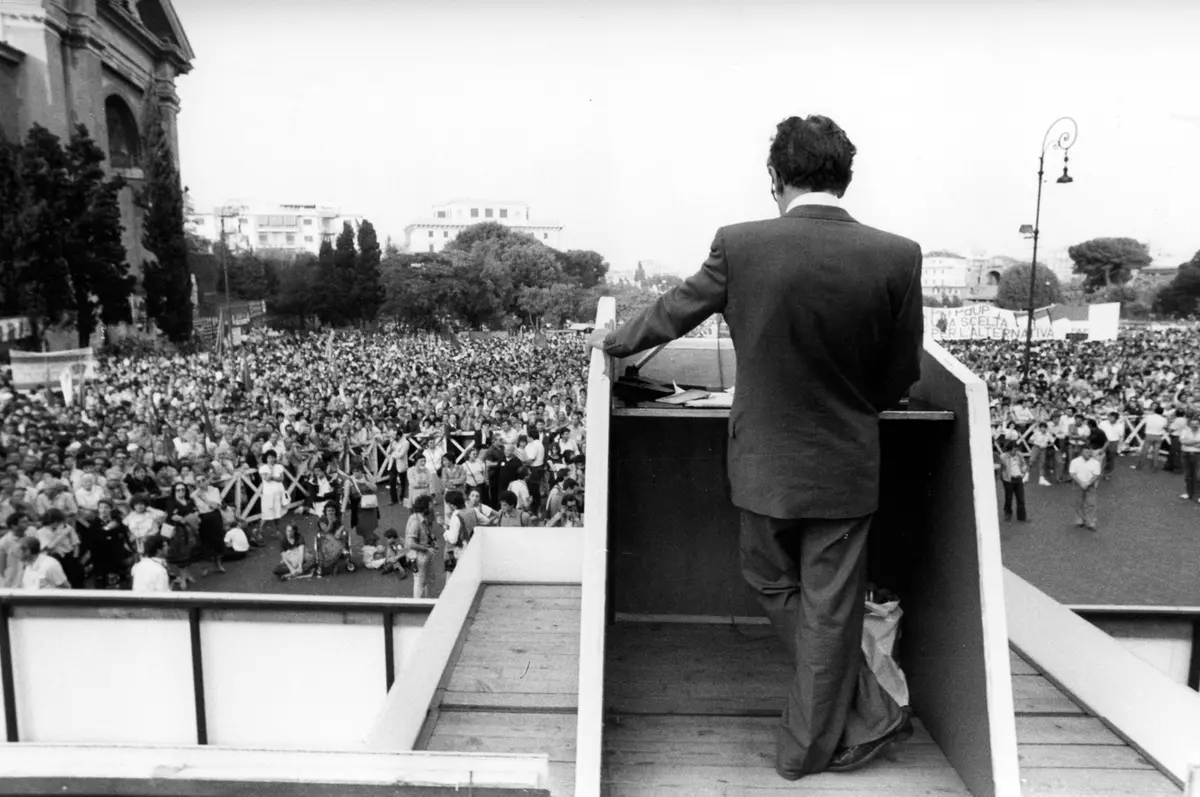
x=446 y=221
x=1154 y=276
x=92 y=62
x=287 y=228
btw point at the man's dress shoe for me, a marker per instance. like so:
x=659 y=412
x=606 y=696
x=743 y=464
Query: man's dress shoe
x=852 y=758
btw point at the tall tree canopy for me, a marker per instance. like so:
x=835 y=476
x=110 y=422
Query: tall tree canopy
x=1013 y=291
x=368 y=293
x=1104 y=262
x=492 y=276
x=167 y=279
x=61 y=254
x=1181 y=297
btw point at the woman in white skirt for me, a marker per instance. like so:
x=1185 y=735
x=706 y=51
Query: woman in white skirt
x=273 y=503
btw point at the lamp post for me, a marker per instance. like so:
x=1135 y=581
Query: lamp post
x=1064 y=140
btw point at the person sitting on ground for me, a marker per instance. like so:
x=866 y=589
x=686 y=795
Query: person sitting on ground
x=328 y=546
x=237 y=545
x=294 y=558
x=388 y=555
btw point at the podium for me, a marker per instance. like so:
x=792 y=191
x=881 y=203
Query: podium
x=674 y=571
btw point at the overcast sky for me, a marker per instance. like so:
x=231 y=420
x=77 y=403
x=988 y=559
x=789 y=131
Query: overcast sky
x=643 y=127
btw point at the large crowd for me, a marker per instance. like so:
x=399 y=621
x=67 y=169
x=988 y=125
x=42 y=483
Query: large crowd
x=1086 y=404
x=130 y=484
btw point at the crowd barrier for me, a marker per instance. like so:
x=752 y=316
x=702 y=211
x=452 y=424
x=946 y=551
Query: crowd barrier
x=1134 y=436
x=243 y=491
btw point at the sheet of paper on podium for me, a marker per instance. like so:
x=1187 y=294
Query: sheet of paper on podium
x=722 y=399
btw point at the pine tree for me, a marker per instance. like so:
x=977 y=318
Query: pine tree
x=367 y=290
x=167 y=279
x=37 y=279
x=344 y=289
x=326 y=299
x=95 y=253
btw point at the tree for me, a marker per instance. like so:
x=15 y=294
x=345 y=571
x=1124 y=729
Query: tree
x=586 y=268
x=325 y=303
x=1105 y=262
x=368 y=292
x=1013 y=291
x=478 y=233
x=1181 y=297
x=251 y=276
x=166 y=279
x=36 y=276
x=92 y=239
x=297 y=289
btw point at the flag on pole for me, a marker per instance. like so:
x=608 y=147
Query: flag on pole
x=247 y=382
x=208 y=427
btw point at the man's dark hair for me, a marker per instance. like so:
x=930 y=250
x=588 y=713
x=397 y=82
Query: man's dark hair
x=812 y=153
x=153 y=545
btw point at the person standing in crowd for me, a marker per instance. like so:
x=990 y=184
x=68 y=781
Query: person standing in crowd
x=40 y=570
x=361 y=498
x=396 y=466
x=1154 y=429
x=151 y=573
x=459 y=530
x=828 y=314
x=1179 y=422
x=1085 y=472
x=420 y=480
x=273 y=503
x=475 y=473
x=1013 y=473
x=421 y=543
x=211 y=531
x=59 y=539
x=1189 y=447
x=1114 y=433
x=1041 y=444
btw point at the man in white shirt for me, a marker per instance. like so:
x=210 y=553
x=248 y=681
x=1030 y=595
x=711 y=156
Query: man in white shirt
x=1154 y=429
x=1085 y=473
x=1114 y=432
x=536 y=452
x=41 y=571
x=150 y=573
x=1041 y=461
x=236 y=544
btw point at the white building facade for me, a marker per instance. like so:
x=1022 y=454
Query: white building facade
x=944 y=275
x=446 y=221
x=292 y=228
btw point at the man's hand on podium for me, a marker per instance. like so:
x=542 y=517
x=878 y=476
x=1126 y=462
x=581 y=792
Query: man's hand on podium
x=599 y=335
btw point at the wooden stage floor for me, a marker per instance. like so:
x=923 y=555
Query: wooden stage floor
x=691 y=711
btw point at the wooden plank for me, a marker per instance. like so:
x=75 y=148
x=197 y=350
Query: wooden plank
x=1033 y=694
x=1097 y=782
x=497 y=732
x=522 y=591
x=511 y=700
x=1064 y=730
x=1018 y=665
x=1080 y=756
x=883 y=777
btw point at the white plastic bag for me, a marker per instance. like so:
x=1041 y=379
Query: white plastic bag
x=881 y=625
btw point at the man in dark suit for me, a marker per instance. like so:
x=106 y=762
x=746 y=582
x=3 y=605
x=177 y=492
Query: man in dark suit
x=826 y=317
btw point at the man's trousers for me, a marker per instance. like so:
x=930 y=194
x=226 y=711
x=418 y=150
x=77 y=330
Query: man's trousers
x=810 y=576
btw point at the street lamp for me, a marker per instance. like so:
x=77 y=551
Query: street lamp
x=1064 y=140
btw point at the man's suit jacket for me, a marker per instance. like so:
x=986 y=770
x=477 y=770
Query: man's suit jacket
x=827 y=321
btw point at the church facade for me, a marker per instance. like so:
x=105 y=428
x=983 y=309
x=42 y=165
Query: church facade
x=92 y=62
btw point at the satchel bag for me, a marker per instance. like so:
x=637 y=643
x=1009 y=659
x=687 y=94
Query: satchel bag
x=167 y=530
x=366 y=500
